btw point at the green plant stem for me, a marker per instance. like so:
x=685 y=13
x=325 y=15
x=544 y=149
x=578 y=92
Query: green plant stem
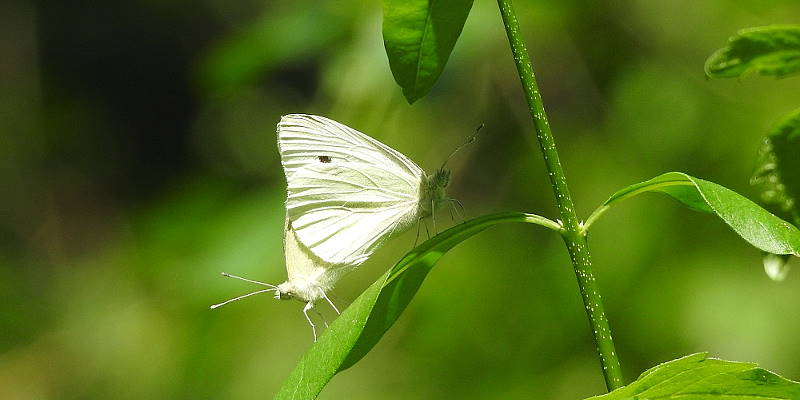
x=572 y=231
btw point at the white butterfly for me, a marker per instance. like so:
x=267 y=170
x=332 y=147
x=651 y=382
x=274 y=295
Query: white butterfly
x=347 y=194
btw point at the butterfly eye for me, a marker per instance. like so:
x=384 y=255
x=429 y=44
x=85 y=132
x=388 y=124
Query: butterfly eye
x=324 y=159
x=284 y=295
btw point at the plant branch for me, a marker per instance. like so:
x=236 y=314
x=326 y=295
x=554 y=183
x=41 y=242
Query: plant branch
x=572 y=230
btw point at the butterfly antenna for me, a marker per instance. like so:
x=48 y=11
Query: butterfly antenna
x=241 y=297
x=227 y=275
x=471 y=139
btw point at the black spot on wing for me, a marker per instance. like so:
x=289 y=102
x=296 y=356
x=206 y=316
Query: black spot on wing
x=324 y=159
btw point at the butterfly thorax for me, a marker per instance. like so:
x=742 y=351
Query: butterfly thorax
x=434 y=193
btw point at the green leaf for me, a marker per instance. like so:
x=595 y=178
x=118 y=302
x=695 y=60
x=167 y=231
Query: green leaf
x=754 y=224
x=419 y=36
x=777 y=173
x=770 y=51
x=364 y=322
x=697 y=377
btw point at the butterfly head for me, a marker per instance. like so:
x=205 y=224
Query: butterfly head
x=285 y=291
x=299 y=289
x=303 y=288
x=441 y=178
x=435 y=187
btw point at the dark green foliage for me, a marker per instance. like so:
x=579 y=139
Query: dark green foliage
x=770 y=51
x=777 y=172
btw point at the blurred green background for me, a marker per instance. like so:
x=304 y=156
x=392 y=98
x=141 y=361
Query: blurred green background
x=138 y=160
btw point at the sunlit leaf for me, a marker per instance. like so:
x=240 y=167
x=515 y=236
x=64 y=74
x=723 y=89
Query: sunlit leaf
x=419 y=36
x=754 y=224
x=769 y=50
x=698 y=377
x=365 y=321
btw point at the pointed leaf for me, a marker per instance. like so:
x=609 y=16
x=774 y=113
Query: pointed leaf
x=754 y=224
x=419 y=36
x=698 y=377
x=770 y=51
x=365 y=321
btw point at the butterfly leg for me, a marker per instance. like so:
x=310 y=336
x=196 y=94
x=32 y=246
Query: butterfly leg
x=419 y=221
x=322 y=317
x=433 y=216
x=458 y=208
x=325 y=295
x=309 y=306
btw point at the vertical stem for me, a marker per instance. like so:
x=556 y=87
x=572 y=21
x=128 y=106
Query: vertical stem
x=572 y=233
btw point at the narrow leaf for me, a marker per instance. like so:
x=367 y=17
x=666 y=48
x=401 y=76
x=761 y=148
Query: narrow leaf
x=419 y=36
x=364 y=322
x=698 y=377
x=769 y=50
x=754 y=224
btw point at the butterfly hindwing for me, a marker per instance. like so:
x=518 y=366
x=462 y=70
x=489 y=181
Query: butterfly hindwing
x=309 y=277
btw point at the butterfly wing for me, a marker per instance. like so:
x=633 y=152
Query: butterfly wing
x=308 y=139
x=347 y=192
x=343 y=211
x=308 y=277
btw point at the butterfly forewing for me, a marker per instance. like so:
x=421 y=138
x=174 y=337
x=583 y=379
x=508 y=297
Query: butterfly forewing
x=347 y=192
